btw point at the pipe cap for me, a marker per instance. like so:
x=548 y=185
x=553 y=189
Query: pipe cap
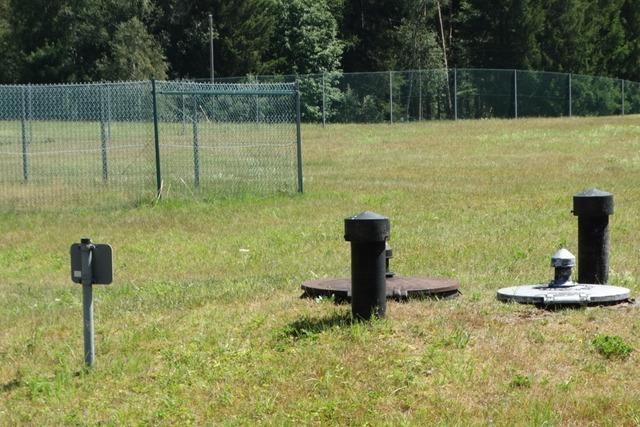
x=563 y=258
x=366 y=227
x=593 y=202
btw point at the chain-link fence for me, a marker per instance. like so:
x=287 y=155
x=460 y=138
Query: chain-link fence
x=228 y=138
x=397 y=96
x=100 y=144
x=95 y=144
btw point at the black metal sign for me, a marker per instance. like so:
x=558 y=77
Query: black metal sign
x=101 y=261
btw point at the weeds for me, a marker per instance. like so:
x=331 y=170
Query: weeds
x=611 y=346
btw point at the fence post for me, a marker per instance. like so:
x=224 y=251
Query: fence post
x=25 y=143
x=622 y=84
x=570 y=100
x=515 y=93
x=109 y=113
x=391 y=96
x=196 y=145
x=103 y=135
x=298 y=138
x=324 y=102
x=156 y=137
x=455 y=93
x=184 y=115
x=257 y=109
x=419 y=95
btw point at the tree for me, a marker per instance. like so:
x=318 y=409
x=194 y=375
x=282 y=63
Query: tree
x=418 y=46
x=630 y=16
x=8 y=72
x=242 y=33
x=563 y=41
x=134 y=54
x=304 y=38
x=67 y=40
x=500 y=33
x=368 y=29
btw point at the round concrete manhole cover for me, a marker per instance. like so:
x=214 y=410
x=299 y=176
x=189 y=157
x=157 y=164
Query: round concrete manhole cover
x=398 y=287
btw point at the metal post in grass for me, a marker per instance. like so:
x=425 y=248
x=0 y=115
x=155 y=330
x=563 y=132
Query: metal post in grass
x=211 y=47
x=103 y=135
x=25 y=143
x=90 y=264
x=196 y=144
x=324 y=102
x=257 y=102
x=455 y=93
x=622 y=89
x=184 y=115
x=419 y=95
x=570 y=94
x=298 y=138
x=515 y=93
x=391 y=96
x=156 y=136
x=109 y=113
x=87 y=303
x=29 y=116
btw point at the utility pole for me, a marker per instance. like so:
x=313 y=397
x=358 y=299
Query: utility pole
x=444 y=51
x=211 y=46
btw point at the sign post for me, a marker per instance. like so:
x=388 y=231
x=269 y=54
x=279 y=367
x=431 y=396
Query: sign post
x=90 y=264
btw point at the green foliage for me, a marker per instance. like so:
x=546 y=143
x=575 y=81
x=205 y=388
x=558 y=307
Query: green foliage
x=134 y=54
x=242 y=31
x=370 y=34
x=611 y=346
x=500 y=34
x=304 y=38
x=68 y=40
x=520 y=381
x=88 y=40
x=418 y=46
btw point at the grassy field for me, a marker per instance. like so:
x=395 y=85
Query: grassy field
x=204 y=324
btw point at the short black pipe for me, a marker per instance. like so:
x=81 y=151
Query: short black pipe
x=368 y=280
x=593 y=207
x=561 y=276
x=368 y=233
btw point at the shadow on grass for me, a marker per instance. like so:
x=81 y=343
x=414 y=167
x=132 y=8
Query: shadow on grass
x=309 y=328
x=343 y=298
x=577 y=307
x=6 y=387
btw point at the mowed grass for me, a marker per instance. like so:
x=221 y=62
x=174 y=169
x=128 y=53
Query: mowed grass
x=204 y=324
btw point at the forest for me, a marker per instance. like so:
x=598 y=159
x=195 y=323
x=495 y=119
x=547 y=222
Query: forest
x=54 y=41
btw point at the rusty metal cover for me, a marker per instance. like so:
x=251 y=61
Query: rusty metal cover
x=398 y=287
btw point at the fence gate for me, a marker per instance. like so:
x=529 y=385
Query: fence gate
x=227 y=138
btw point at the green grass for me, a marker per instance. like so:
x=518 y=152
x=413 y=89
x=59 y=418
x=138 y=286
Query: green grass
x=204 y=323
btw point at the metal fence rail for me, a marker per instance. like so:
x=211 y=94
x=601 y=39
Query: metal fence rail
x=100 y=144
x=400 y=96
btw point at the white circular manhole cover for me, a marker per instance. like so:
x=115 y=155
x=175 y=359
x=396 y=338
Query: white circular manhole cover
x=576 y=294
x=561 y=290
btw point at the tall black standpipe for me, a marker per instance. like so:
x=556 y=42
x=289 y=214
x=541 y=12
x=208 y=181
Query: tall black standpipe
x=593 y=207
x=368 y=233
